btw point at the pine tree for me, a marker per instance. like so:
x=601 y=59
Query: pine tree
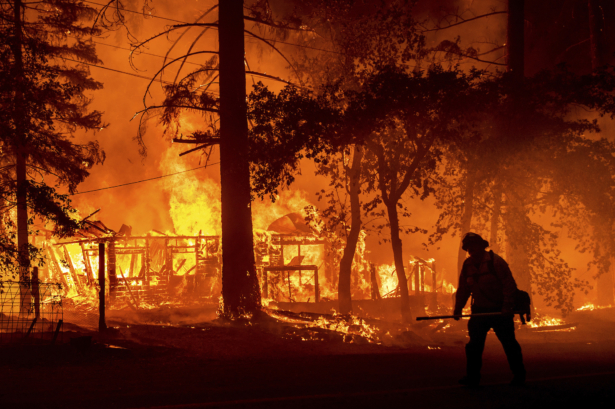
x=43 y=104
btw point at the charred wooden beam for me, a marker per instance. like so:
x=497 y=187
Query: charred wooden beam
x=88 y=266
x=134 y=300
x=73 y=273
x=111 y=269
x=102 y=324
x=133 y=261
x=59 y=271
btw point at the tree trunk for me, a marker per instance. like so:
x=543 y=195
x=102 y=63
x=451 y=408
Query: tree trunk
x=354 y=174
x=466 y=219
x=20 y=160
x=596 y=33
x=604 y=284
x=515 y=44
x=406 y=314
x=604 y=288
x=240 y=290
x=495 y=217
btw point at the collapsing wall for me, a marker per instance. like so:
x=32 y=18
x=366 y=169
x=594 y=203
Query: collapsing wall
x=140 y=270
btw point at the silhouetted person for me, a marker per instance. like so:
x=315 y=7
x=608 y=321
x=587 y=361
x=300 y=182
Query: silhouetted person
x=486 y=277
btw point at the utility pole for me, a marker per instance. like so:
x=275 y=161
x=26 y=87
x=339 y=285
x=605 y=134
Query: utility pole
x=240 y=289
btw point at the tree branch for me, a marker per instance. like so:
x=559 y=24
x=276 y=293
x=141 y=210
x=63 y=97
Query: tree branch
x=465 y=21
x=276 y=49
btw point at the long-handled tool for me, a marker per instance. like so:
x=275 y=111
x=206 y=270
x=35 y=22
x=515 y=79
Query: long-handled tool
x=438 y=317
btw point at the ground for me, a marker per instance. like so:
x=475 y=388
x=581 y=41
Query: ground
x=267 y=365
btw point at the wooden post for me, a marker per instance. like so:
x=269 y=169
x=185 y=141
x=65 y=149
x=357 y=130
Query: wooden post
x=111 y=267
x=434 y=278
x=56 y=265
x=168 y=259
x=299 y=260
x=102 y=325
x=71 y=268
x=57 y=331
x=417 y=279
x=146 y=261
x=88 y=266
x=133 y=261
x=134 y=300
x=36 y=293
x=374 y=281
x=290 y=293
x=316 y=288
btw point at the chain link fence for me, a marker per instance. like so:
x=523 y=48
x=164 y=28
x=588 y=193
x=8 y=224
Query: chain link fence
x=30 y=310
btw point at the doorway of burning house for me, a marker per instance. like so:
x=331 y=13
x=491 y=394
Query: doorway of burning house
x=294 y=281
x=420 y=270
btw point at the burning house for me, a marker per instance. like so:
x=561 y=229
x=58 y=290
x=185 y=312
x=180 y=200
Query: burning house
x=297 y=271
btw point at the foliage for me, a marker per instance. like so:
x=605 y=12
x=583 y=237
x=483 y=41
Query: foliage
x=53 y=85
x=287 y=127
x=537 y=150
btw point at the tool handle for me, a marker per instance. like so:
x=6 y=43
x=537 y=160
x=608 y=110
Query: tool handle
x=438 y=317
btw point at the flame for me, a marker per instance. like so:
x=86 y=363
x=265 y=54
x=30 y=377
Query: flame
x=194 y=203
x=195 y=209
x=545 y=321
x=591 y=307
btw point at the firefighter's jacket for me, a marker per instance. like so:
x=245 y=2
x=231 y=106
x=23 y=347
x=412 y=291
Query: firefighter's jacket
x=491 y=285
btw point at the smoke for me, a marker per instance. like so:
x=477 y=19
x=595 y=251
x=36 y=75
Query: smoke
x=189 y=202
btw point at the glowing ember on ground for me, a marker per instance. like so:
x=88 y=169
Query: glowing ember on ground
x=544 y=321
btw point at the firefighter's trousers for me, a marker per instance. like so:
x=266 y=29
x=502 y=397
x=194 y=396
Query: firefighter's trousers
x=504 y=328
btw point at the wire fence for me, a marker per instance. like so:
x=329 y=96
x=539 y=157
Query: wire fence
x=30 y=310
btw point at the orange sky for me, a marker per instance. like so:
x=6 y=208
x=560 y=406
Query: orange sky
x=148 y=205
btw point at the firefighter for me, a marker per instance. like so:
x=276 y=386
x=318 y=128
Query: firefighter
x=487 y=278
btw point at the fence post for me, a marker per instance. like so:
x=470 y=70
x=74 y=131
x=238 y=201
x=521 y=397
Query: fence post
x=36 y=294
x=102 y=326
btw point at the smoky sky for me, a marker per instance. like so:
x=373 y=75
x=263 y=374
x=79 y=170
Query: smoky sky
x=557 y=32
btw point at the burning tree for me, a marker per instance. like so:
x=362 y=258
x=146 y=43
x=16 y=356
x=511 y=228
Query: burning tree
x=44 y=103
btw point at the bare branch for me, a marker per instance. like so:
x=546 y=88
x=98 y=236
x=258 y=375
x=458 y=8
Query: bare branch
x=165 y=66
x=276 y=49
x=465 y=21
x=260 y=74
x=255 y=20
x=213 y=142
